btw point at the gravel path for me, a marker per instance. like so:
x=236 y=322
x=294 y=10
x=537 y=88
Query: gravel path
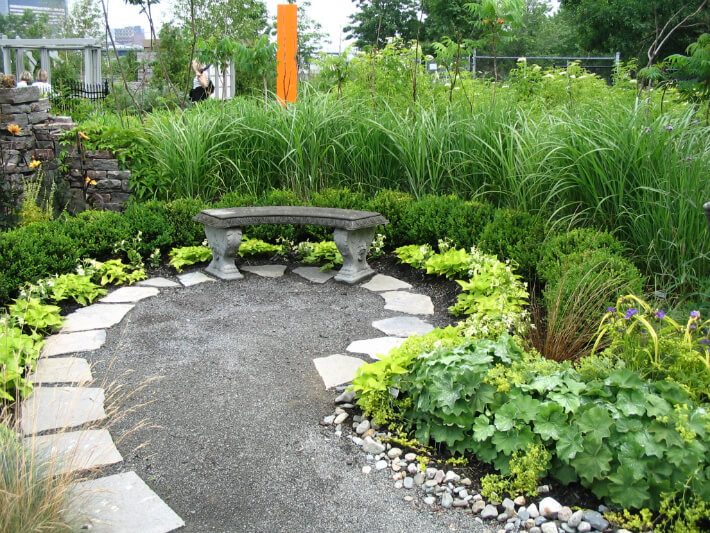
x=236 y=444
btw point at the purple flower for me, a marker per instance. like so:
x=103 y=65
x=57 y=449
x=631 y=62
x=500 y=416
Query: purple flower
x=705 y=342
x=611 y=309
x=631 y=312
x=660 y=314
x=695 y=314
x=669 y=127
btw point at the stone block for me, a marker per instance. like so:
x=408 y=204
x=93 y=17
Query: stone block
x=62 y=370
x=42 y=105
x=44 y=154
x=96 y=174
x=61 y=407
x=112 y=206
x=118 y=174
x=403 y=326
x=19 y=95
x=14 y=118
x=108 y=184
x=38 y=117
x=102 y=164
x=83 y=341
x=14 y=108
x=96 y=316
x=17 y=143
x=48 y=145
x=130 y=294
x=375 y=348
x=99 y=154
x=126 y=186
x=75 y=451
x=120 y=197
x=337 y=369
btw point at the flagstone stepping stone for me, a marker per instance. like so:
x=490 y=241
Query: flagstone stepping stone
x=194 y=278
x=375 y=348
x=62 y=370
x=61 y=407
x=82 y=341
x=403 y=326
x=380 y=282
x=75 y=451
x=266 y=271
x=337 y=369
x=161 y=283
x=407 y=302
x=130 y=295
x=314 y=274
x=97 y=316
x=122 y=503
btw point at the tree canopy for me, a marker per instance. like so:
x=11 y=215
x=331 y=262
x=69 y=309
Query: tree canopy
x=378 y=20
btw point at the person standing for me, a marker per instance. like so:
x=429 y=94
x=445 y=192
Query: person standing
x=25 y=79
x=45 y=88
x=202 y=86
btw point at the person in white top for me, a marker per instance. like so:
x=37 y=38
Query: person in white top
x=202 y=86
x=25 y=79
x=45 y=88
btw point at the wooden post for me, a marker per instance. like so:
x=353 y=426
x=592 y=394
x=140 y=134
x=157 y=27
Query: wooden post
x=45 y=64
x=286 y=64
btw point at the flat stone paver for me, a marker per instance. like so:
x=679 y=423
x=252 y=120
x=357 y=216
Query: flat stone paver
x=407 y=302
x=130 y=295
x=380 y=282
x=62 y=370
x=403 y=326
x=160 y=283
x=194 y=278
x=96 y=316
x=75 y=451
x=337 y=369
x=61 y=407
x=266 y=271
x=122 y=503
x=375 y=348
x=314 y=274
x=82 y=341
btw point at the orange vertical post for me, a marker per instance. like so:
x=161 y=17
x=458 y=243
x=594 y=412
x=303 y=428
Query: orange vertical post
x=286 y=64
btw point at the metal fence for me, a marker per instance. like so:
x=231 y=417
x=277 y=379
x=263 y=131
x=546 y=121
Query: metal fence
x=67 y=95
x=602 y=66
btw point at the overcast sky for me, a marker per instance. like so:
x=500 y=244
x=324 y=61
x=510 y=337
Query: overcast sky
x=332 y=14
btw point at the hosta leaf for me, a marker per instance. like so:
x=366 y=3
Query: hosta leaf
x=567 y=401
x=595 y=422
x=482 y=428
x=448 y=435
x=651 y=448
x=505 y=417
x=626 y=490
x=593 y=461
x=624 y=379
x=484 y=396
x=549 y=421
x=510 y=441
x=631 y=402
x=569 y=444
x=657 y=406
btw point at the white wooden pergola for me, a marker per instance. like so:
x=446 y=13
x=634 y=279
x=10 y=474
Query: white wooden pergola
x=18 y=49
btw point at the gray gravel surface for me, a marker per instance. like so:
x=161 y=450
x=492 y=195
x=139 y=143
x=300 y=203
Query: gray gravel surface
x=236 y=444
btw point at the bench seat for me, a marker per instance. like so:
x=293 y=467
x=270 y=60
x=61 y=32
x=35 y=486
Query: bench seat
x=353 y=234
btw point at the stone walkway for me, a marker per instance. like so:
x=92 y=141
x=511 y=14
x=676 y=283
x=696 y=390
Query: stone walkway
x=65 y=417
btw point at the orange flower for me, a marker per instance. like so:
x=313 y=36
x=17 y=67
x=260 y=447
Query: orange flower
x=89 y=181
x=83 y=136
x=14 y=129
x=500 y=21
x=34 y=164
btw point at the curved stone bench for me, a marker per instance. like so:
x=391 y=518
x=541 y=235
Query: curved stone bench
x=353 y=233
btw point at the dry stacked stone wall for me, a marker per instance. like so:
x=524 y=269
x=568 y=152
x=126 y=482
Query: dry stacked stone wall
x=84 y=178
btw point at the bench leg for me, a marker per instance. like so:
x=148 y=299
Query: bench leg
x=224 y=243
x=353 y=246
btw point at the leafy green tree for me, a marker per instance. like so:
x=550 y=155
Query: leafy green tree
x=378 y=20
x=26 y=26
x=240 y=20
x=84 y=20
x=257 y=61
x=498 y=22
x=693 y=72
x=172 y=54
x=632 y=26
x=448 y=18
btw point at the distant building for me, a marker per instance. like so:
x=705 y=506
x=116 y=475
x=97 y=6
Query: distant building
x=129 y=35
x=56 y=10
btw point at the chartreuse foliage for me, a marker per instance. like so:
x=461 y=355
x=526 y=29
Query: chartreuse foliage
x=18 y=353
x=188 y=255
x=323 y=253
x=75 y=287
x=36 y=316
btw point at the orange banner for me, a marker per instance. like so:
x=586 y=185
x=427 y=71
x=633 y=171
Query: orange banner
x=286 y=63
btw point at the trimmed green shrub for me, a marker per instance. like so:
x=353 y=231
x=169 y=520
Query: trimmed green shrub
x=33 y=252
x=393 y=205
x=96 y=232
x=514 y=235
x=578 y=240
x=153 y=221
x=186 y=232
